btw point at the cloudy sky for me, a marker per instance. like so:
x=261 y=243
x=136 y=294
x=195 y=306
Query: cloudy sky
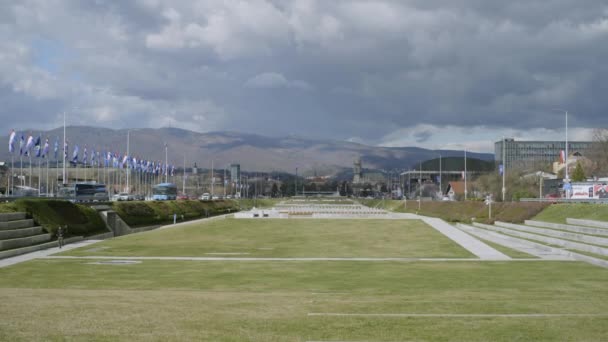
x=438 y=74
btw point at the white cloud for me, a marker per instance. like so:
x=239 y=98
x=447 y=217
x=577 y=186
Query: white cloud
x=275 y=80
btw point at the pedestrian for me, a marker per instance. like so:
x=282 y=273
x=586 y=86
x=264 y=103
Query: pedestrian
x=60 y=232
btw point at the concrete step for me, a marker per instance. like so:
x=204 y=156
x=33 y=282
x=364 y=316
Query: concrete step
x=554 y=250
x=24 y=241
x=18 y=233
x=588 y=223
x=532 y=248
x=545 y=239
x=12 y=216
x=556 y=233
x=16 y=224
x=29 y=249
x=568 y=227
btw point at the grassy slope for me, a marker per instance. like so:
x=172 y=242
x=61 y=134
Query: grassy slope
x=558 y=213
x=515 y=212
x=51 y=214
x=269 y=301
x=288 y=238
x=157 y=212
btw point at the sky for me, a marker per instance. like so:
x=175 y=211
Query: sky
x=434 y=74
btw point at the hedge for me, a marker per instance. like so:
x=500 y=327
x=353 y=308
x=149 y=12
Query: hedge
x=139 y=213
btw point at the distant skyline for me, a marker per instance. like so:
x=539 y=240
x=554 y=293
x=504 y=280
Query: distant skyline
x=439 y=75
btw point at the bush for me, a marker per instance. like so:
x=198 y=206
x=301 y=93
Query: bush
x=50 y=214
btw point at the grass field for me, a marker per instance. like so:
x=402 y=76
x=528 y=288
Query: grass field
x=272 y=301
x=231 y=300
x=287 y=238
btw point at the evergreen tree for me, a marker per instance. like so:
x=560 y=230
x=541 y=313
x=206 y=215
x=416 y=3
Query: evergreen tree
x=579 y=174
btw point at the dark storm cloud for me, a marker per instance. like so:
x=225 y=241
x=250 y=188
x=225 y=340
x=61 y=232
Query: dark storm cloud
x=342 y=69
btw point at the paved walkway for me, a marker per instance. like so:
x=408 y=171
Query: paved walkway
x=117 y=257
x=44 y=253
x=465 y=240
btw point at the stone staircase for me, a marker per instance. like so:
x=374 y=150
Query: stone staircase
x=20 y=235
x=583 y=240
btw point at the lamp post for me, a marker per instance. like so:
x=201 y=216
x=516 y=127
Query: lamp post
x=166 y=161
x=504 y=167
x=440 y=178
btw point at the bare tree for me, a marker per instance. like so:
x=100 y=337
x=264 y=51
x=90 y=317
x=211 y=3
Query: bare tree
x=599 y=152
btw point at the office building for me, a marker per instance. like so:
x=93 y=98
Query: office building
x=235 y=173
x=535 y=154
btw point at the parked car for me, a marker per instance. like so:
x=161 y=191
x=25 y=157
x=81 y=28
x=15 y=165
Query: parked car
x=123 y=196
x=182 y=197
x=215 y=198
x=205 y=197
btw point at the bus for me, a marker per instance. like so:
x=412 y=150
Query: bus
x=84 y=192
x=164 y=192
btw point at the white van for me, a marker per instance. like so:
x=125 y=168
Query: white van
x=205 y=197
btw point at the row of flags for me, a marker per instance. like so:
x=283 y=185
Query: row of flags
x=33 y=147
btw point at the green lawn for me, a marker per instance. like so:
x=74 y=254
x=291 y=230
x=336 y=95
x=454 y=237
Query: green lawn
x=270 y=301
x=286 y=238
x=558 y=213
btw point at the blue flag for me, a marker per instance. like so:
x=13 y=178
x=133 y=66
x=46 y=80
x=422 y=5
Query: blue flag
x=11 y=142
x=75 y=154
x=37 y=147
x=21 y=145
x=56 y=147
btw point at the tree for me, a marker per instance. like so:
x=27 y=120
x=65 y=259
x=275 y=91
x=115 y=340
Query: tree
x=579 y=174
x=599 y=152
x=275 y=190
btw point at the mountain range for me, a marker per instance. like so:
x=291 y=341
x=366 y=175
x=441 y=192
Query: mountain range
x=253 y=152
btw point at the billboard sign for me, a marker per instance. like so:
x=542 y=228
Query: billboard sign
x=588 y=190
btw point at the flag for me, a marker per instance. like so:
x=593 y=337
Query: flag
x=56 y=147
x=21 y=145
x=562 y=156
x=172 y=170
x=11 y=142
x=37 y=147
x=463 y=175
x=84 y=155
x=75 y=154
x=45 y=150
x=500 y=169
x=92 y=156
x=65 y=150
x=29 y=145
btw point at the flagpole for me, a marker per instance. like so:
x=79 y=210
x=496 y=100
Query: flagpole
x=30 y=181
x=65 y=152
x=166 y=160
x=39 y=177
x=504 y=167
x=47 y=178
